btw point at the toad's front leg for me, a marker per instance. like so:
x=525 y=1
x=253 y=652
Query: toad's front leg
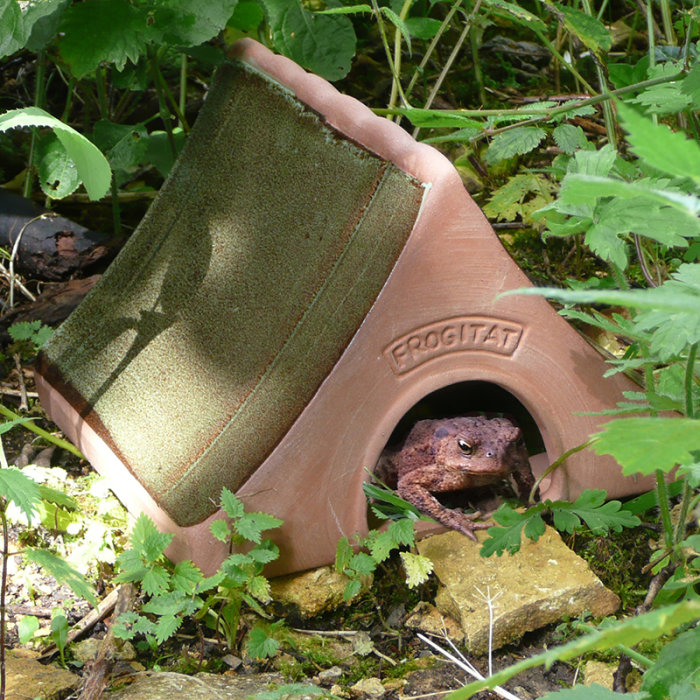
x=416 y=487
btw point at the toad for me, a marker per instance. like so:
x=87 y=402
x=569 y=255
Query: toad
x=451 y=454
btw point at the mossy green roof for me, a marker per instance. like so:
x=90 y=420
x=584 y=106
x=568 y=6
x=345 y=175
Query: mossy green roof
x=236 y=295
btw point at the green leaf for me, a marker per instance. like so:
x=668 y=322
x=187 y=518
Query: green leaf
x=147 y=540
x=19 y=489
x=642 y=445
x=259 y=587
x=514 y=12
x=58 y=175
x=343 y=554
x=166 y=627
x=399 y=24
x=27 y=625
x=159 y=151
x=678 y=661
x=363 y=564
x=518 y=141
x=418 y=568
x=521 y=196
x=188 y=22
x=381 y=546
x=231 y=504
x=251 y=525
x=422 y=27
x=59 y=628
x=658 y=146
x=42 y=20
x=124 y=145
x=103 y=31
x=220 y=530
x=14 y=31
x=265 y=552
x=61 y=571
x=186 y=577
x=260 y=645
x=155 y=581
x=401 y=532
x=321 y=43
x=590 y=30
x=629 y=632
x=92 y=167
x=352 y=589
x=691 y=85
x=569 y=137
x=437 y=119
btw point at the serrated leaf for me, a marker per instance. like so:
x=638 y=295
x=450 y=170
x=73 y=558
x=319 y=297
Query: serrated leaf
x=534 y=527
x=321 y=43
x=399 y=24
x=260 y=645
x=103 y=31
x=569 y=137
x=418 y=568
x=380 y=546
x=691 y=85
x=590 y=30
x=147 y=540
x=643 y=445
x=166 y=627
x=186 y=577
x=518 y=141
x=352 y=589
x=220 y=530
x=401 y=532
x=93 y=168
x=251 y=525
x=264 y=553
x=188 y=22
x=363 y=564
x=155 y=581
x=678 y=661
x=19 y=489
x=231 y=504
x=24 y=330
x=663 y=99
x=658 y=146
x=259 y=588
x=521 y=196
x=343 y=554
x=506 y=538
x=62 y=571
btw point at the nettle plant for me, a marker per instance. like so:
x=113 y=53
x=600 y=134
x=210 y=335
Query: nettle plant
x=179 y=591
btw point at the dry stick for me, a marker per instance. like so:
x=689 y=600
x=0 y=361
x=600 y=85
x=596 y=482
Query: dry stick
x=99 y=668
x=104 y=608
x=15 y=250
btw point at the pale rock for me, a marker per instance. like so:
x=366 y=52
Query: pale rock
x=368 y=688
x=166 y=685
x=312 y=592
x=330 y=675
x=427 y=618
x=27 y=678
x=600 y=673
x=534 y=587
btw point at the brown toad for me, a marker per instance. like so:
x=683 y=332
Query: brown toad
x=451 y=454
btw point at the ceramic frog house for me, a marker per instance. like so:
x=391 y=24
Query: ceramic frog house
x=307 y=275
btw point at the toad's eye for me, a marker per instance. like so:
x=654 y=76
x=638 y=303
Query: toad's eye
x=465 y=447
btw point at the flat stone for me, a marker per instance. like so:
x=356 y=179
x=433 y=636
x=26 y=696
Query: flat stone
x=427 y=618
x=165 y=685
x=27 y=678
x=534 y=587
x=370 y=688
x=599 y=673
x=310 y=592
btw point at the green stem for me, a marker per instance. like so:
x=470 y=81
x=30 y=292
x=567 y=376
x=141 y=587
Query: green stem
x=664 y=508
x=634 y=655
x=650 y=34
x=183 y=86
x=564 y=62
x=396 y=82
x=38 y=102
x=59 y=442
x=3 y=592
x=105 y=114
x=667 y=22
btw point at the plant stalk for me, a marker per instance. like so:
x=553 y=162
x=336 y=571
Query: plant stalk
x=38 y=102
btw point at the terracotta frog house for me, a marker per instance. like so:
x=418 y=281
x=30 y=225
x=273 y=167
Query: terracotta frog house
x=309 y=280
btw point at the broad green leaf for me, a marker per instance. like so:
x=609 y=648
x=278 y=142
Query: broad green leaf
x=518 y=141
x=59 y=628
x=363 y=564
x=691 y=85
x=160 y=152
x=231 y=504
x=666 y=98
x=42 y=19
x=507 y=536
x=591 y=31
x=598 y=162
x=381 y=545
x=62 y=571
x=651 y=625
x=19 y=489
x=418 y=568
x=569 y=137
x=437 y=119
x=8 y=425
x=260 y=645
x=668 y=151
x=265 y=552
x=514 y=12
x=124 y=145
x=604 y=242
x=155 y=581
x=186 y=577
x=58 y=175
x=678 y=661
x=321 y=43
x=422 y=27
x=14 y=33
x=642 y=445
x=187 y=22
x=103 y=31
x=92 y=166
x=352 y=589
x=26 y=628
x=521 y=196
x=347 y=10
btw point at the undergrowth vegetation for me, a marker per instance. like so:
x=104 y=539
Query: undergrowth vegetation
x=574 y=126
